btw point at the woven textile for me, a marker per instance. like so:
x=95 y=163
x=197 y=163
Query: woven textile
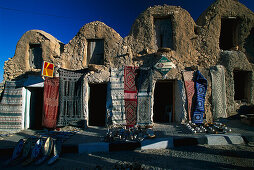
x=71 y=98
x=219 y=100
x=190 y=89
x=116 y=107
x=144 y=97
x=180 y=102
x=11 y=106
x=201 y=87
x=51 y=100
x=130 y=94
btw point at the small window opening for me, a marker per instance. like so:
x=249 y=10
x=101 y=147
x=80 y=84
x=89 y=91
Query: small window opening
x=242 y=85
x=229 y=33
x=163 y=32
x=95 y=51
x=35 y=56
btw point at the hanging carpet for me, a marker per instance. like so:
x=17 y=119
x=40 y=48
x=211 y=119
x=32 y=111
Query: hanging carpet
x=180 y=102
x=130 y=94
x=190 y=89
x=11 y=106
x=144 y=96
x=219 y=100
x=201 y=87
x=51 y=100
x=116 y=107
x=71 y=111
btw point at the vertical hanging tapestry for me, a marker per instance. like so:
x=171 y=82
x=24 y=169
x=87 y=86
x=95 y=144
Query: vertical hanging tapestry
x=219 y=100
x=180 y=102
x=71 y=111
x=116 y=108
x=144 y=96
x=11 y=106
x=190 y=89
x=130 y=94
x=201 y=87
x=51 y=100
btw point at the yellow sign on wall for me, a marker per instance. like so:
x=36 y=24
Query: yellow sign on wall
x=47 y=69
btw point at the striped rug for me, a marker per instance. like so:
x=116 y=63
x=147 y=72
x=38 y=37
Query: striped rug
x=190 y=89
x=116 y=107
x=51 y=100
x=11 y=106
x=71 y=110
x=144 y=109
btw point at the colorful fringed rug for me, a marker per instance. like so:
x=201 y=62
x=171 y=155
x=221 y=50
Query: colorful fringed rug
x=117 y=108
x=219 y=100
x=144 y=97
x=190 y=89
x=51 y=98
x=130 y=94
x=11 y=106
x=71 y=111
x=201 y=87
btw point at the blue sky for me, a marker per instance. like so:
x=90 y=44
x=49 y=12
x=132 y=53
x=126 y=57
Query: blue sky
x=64 y=18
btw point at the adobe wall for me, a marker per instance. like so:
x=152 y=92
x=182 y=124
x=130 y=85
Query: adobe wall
x=195 y=46
x=18 y=65
x=240 y=57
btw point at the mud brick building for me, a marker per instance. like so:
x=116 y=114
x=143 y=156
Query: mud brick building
x=220 y=45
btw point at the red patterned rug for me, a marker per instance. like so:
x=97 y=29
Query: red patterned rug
x=190 y=89
x=130 y=94
x=51 y=98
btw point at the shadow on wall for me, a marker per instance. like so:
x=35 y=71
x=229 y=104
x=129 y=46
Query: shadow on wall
x=249 y=46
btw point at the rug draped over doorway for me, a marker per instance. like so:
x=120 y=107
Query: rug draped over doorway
x=51 y=100
x=144 y=109
x=219 y=99
x=71 y=98
x=11 y=106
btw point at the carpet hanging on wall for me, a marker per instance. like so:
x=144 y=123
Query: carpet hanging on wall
x=71 y=111
x=200 y=87
x=130 y=94
x=180 y=102
x=11 y=106
x=219 y=99
x=51 y=101
x=190 y=89
x=116 y=107
x=144 y=108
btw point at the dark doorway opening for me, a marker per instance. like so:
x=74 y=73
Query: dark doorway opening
x=242 y=85
x=36 y=106
x=229 y=33
x=163 y=102
x=97 y=104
